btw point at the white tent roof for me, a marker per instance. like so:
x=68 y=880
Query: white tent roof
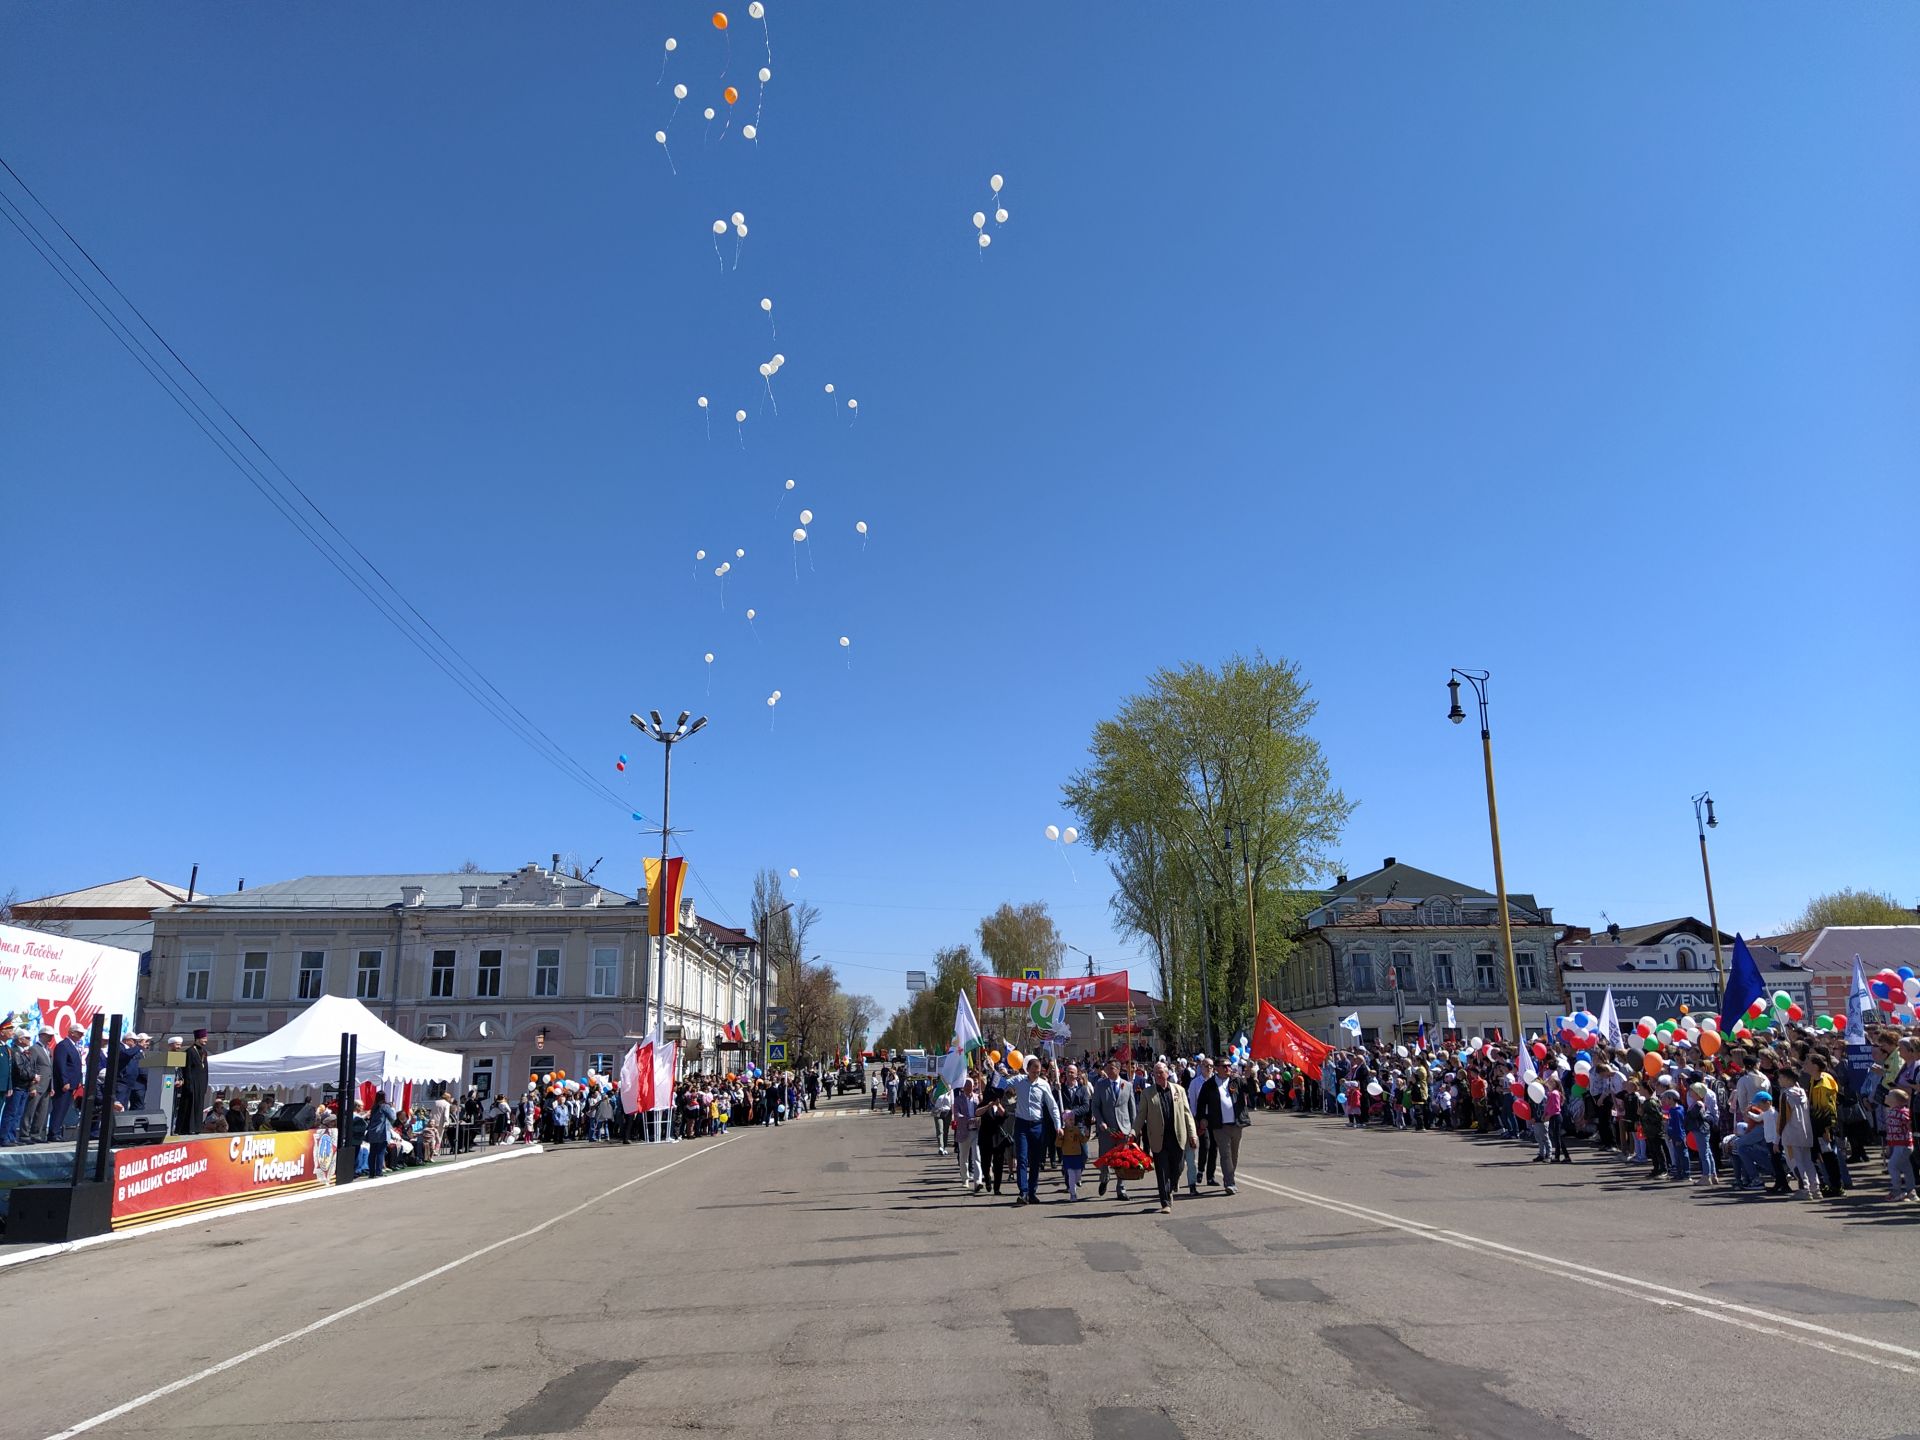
x=306 y=1051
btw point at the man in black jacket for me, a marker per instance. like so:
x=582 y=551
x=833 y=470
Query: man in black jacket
x=1223 y=1108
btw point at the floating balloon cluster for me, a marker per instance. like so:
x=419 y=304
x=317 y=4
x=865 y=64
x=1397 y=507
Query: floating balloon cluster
x=999 y=212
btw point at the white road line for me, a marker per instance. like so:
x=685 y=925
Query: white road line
x=324 y=1321
x=1801 y=1332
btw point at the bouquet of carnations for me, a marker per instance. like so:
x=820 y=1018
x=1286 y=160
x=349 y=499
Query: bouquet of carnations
x=1127 y=1160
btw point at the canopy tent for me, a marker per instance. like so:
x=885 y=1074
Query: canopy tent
x=306 y=1051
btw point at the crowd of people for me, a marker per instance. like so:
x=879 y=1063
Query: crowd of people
x=1776 y=1112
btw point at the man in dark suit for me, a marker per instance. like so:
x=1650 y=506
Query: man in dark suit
x=1225 y=1101
x=195 y=1104
x=1113 y=1116
x=69 y=1074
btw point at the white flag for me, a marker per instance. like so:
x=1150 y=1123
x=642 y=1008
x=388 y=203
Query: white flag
x=1352 y=1024
x=666 y=1059
x=1859 y=1001
x=966 y=1029
x=1453 y=1021
x=1610 y=1021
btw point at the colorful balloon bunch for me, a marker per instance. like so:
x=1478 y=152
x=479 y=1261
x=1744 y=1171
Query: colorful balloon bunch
x=1896 y=993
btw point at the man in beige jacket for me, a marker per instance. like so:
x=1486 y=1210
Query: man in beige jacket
x=1166 y=1131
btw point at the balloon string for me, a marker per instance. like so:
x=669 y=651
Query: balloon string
x=707 y=415
x=718 y=256
x=767 y=36
x=675 y=111
x=743 y=435
x=810 y=569
x=770 y=395
x=727 y=36
x=664 y=55
x=738 y=244
x=796 y=563
x=670 y=165
x=723 y=128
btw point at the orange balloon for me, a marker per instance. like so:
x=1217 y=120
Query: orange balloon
x=730 y=94
x=1654 y=1063
x=719 y=19
x=1710 y=1042
x=1014 y=1060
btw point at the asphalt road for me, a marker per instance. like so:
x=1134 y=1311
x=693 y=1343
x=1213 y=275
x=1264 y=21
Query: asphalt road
x=830 y=1279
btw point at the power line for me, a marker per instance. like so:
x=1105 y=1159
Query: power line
x=425 y=637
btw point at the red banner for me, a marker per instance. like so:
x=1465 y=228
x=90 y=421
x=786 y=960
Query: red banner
x=1278 y=1038
x=155 y=1181
x=997 y=992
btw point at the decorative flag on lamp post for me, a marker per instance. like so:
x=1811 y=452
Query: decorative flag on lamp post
x=665 y=880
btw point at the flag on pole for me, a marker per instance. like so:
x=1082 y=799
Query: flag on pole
x=1610 y=1021
x=1420 y=1037
x=1744 y=986
x=1859 y=999
x=665 y=880
x=1352 y=1024
x=636 y=1079
x=1453 y=1022
x=1275 y=1037
x=666 y=1060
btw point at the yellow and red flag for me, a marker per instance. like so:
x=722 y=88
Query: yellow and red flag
x=665 y=880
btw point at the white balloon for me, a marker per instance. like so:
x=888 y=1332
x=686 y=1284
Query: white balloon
x=709 y=657
x=679 y=92
x=793 y=874
x=979 y=219
x=722 y=229
x=985 y=241
x=756 y=10
x=741 y=231
x=776 y=694
x=766 y=370
x=861 y=526
x=739 y=554
x=765 y=303
x=719 y=570
x=750 y=131
x=789 y=484
x=740 y=417
x=765 y=74
x=701 y=402
x=996 y=182
x=1000 y=216
x=798 y=534
x=659 y=137
x=1053 y=832
x=806 y=517
x=853 y=404
x=778 y=361
x=739 y=217
x=844 y=642
x=771 y=700
x=719 y=226
x=672 y=44
x=1069 y=835
x=699 y=554
x=749 y=614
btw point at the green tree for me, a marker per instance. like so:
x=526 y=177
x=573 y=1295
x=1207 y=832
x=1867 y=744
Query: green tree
x=926 y=1021
x=1204 y=787
x=1017 y=937
x=1853 y=907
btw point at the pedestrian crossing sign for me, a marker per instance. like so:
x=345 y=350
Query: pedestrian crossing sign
x=1033 y=972
x=776 y=1052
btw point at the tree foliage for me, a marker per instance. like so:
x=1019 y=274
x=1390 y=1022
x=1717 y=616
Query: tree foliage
x=1202 y=788
x=1853 y=907
x=1017 y=937
x=926 y=1021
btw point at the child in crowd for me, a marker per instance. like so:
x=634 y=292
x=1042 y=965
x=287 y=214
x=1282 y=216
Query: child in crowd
x=1073 y=1155
x=1900 y=1145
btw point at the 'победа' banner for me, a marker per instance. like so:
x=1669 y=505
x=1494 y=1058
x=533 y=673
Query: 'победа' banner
x=155 y=1181
x=997 y=992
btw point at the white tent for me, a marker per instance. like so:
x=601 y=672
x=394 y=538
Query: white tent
x=306 y=1051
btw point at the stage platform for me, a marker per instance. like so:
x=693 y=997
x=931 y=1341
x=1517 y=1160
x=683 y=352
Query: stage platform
x=49 y=1164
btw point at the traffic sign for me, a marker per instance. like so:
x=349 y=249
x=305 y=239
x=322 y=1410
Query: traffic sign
x=777 y=1029
x=777 y=1012
x=776 y=1052
x=1033 y=972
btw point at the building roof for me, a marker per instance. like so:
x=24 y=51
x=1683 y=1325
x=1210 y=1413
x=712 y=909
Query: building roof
x=1880 y=947
x=1623 y=960
x=1397 y=881
x=719 y=934
x=1660 y=929
x=1794 y=942
x=137 y=896
x=376 y=892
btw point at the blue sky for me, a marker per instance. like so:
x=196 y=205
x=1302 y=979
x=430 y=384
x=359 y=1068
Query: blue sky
x=1572 y=342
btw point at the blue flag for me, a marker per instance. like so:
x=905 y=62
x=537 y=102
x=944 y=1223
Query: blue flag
x=1743 y=987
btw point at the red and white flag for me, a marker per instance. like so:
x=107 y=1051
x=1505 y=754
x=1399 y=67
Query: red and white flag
x=636 y=1079
x=666 y=1060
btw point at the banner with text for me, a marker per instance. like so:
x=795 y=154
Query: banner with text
x=155 y=1181
x=997 y=992
x=61 y=983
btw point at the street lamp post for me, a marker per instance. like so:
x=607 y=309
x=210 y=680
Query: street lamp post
x=1703 y=821
x=1478 y=679
x=1253 y=945
x=653 y=725
x=766 y=920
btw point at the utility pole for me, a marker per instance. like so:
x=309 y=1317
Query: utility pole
x=1478 y=679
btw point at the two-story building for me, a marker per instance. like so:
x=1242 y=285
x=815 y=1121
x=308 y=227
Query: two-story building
x=1397 y=944
x=521 y=971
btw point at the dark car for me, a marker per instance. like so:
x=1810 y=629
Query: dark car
x=851 y=1080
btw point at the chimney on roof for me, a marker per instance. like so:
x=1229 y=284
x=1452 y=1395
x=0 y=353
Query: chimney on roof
x=556 y=862
x=1388 y=863
x=1339 y=879
x=242 y=885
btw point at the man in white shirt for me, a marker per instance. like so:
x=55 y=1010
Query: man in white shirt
x=1032 y=1102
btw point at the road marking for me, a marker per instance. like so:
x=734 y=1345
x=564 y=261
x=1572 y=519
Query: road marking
x=324 y=1321
x=1801 y=1332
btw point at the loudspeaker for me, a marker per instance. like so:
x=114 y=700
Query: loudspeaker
x=294 y=1115
x=144 y=1127
x=52 y=1213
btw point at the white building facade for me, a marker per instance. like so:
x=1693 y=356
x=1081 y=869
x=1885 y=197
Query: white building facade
x=521 y=972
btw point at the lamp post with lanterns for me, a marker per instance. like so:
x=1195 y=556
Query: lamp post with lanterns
x=651 y=724
x=1703 y=821
x=1478 y=680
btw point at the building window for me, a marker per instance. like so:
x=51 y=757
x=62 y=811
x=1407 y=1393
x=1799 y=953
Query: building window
x=442 y=985
x=600 y=1063
x=1524 y=970
x=606 y=970
x=1401 y=975
x=1443 y=972
x=486 y=985
x=1577 y=999
x=366 y=982
x=546 y=973
x=1483 y=972
x=1362 y=964
x=1439 y=912
x=253 y=975
x=197 y=975
x=1686 y=959
x=313 y=974
x=483 y=1078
